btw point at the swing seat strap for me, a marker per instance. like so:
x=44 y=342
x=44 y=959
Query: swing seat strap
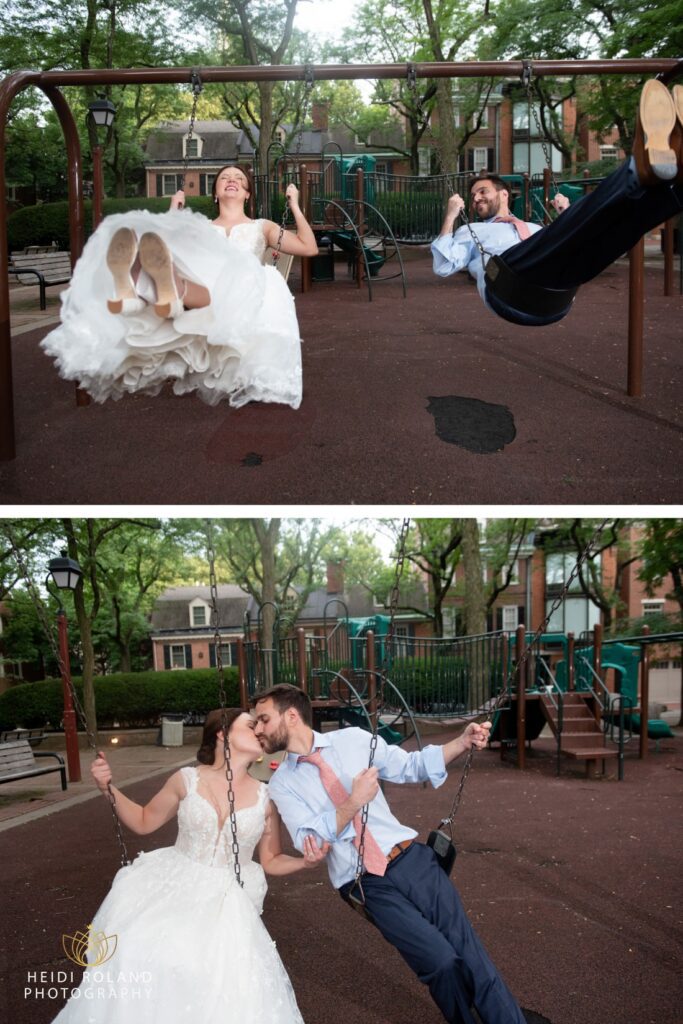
x=519 y=301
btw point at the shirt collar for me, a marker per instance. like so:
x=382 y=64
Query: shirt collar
x=319 y=740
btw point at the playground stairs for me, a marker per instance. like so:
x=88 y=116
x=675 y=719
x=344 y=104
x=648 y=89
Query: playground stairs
x=582 y=737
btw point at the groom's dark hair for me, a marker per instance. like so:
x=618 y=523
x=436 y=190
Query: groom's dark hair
x=284 y=697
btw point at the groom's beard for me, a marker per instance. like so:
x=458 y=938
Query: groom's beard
x=278 y=741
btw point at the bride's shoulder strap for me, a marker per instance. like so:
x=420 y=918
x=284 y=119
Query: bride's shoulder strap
x=190 y=775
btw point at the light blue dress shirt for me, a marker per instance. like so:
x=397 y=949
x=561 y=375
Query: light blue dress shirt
x=452 y=253
x=306 y=809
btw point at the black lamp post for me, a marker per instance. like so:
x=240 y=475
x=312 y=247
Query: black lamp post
x=65 y=573
x=101 y=114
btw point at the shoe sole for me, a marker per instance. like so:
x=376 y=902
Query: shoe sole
x=677 y=92
x=120 y=258
x=155 y=259
x=658 y=117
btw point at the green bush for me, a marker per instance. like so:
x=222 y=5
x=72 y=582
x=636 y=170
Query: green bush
x=133 y=699
x=49 y=222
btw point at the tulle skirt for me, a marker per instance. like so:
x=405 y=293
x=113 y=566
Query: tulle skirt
x=243 y=347
x=189 y=945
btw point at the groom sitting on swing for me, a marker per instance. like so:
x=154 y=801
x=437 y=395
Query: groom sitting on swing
x=528 y=274
x=319 y=790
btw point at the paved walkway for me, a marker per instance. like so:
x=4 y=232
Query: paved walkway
x=573 y=884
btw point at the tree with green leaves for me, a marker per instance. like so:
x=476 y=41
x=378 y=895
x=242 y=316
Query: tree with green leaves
x=661 y=551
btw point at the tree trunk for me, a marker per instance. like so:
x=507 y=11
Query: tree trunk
x=475 y=601
x=448 y=151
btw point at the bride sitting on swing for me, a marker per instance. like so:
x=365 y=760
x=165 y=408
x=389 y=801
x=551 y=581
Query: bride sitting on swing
x=180 y=914
x=174 y=296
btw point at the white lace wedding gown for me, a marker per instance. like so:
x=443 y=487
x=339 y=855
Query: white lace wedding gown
x=244 y=346
x=189 y=939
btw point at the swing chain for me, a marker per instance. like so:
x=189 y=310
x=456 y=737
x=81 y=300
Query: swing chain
x=388 y=640
x=309 y=80
x=527 y=82
x=229 y=775
x=197 y=86
x=39 y=608
x=521 y=662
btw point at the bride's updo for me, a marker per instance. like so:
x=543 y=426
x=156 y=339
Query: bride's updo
x=213 y=723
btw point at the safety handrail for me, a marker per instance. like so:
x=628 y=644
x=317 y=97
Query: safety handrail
x=612 y=701
x=558 y=706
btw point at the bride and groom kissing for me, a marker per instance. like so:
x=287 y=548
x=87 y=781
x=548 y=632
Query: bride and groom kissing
x=185 y=914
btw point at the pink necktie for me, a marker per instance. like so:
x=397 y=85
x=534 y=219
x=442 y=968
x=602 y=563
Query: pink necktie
x=519 y=225
x=374 y=860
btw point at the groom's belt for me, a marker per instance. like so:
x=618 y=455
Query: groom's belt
x=397 y=850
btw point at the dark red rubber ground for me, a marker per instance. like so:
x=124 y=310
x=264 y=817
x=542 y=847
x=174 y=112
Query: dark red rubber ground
x=363 y=433
x=573 y=884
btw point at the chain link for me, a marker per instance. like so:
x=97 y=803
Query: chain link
x=57 y=655
x=394 y=598
x=229 y=776
x=309 y=83
x=521 y=662
x=197 y=86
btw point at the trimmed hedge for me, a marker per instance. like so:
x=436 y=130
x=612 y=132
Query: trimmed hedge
x=49 y=222
x=133 y=699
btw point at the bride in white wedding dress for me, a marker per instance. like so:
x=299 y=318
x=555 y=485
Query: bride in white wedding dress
x=189 y=939
x=191 y=302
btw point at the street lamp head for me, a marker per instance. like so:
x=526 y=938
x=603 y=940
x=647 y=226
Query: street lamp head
x=65 y=572
x=102 y=112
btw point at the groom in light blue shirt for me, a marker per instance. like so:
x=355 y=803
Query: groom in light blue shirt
x=412 y=901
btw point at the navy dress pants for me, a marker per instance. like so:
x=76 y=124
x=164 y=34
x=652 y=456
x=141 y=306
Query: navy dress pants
x=418 y=910
x=594 y=231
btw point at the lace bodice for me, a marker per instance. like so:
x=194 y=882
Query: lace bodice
x=198 y=834
x=247 y=236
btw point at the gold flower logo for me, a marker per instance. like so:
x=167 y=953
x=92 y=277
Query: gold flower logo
x=89 y=948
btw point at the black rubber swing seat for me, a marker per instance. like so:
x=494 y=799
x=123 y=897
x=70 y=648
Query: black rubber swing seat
x=517 y=300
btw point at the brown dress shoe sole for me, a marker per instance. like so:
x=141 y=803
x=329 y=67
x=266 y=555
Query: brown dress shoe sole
x=658 y=117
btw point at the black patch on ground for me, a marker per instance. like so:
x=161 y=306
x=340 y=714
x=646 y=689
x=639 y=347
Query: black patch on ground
x=252 y=459
x=477 y=426
x=531 y=1017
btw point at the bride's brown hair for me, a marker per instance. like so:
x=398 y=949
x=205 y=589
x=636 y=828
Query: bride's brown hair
x=213 y=723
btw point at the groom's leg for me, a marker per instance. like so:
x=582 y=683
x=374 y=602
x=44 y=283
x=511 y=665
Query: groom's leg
x=596 y=230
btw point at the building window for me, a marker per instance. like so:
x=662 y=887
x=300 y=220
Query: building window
x=558 y=568
x=178 y=656
x=191 y=148
x=653 y=607
x=609 y=153
x=514 y=574
x=170 y=184
x=510 y=617
x=484 y=118
x=481 y=159
x=199 y=617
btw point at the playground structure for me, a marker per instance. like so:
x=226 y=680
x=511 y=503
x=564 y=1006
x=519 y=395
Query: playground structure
x=51 y=81
x=563 y=683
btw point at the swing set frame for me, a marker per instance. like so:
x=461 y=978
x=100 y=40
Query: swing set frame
x=51 y=83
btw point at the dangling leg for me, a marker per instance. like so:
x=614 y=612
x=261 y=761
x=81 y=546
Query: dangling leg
x=121 y=260
x=174 y=293
x=605 y=224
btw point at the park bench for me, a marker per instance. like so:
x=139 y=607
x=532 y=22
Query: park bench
x=18 y=761
x=44 y=263
x=34 y=736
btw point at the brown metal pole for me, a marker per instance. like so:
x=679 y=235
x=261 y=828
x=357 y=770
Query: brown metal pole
x=520 y=646
x=668 y=239
x=597 y=662
x=73 y=759
x=242 y=674
x=360 y=227
x=345 y=72
x=372 y=678
x=97 y=187
x=9 y=87
x=306 y=261
x=505 y=658
x=644 y=694
x=301 y=673
x=636 y=257
x=571 y=679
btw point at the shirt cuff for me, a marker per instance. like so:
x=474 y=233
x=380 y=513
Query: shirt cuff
x=434 y=765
